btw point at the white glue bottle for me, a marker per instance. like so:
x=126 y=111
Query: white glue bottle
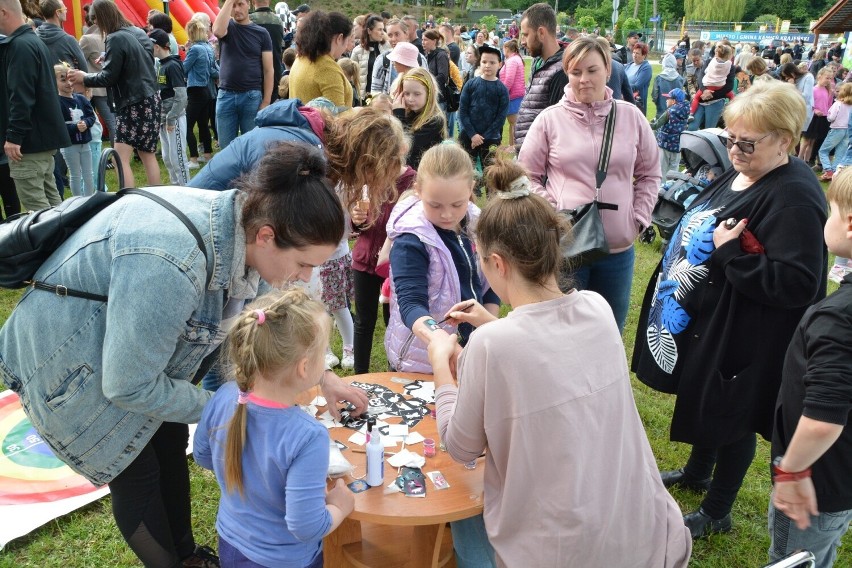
x=375 y=456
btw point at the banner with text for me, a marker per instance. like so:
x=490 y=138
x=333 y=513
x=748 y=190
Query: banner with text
x=762 y=38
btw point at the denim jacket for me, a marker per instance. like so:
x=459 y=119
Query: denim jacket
x=97 y=379
x=200 y=62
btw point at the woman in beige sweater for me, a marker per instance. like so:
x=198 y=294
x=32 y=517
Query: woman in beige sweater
x=570 y=479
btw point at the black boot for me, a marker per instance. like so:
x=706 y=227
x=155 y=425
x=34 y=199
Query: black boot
x=678 y=478
x=700 y=524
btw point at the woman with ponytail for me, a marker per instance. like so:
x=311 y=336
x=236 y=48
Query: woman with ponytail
x=269 y=457
x=552 y=370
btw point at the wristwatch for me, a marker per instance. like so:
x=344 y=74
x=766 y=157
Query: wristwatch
x=781 y=476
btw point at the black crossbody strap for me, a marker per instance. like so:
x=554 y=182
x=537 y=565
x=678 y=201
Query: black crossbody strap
x=64 y=291
x=61 y=290
x=606 y=150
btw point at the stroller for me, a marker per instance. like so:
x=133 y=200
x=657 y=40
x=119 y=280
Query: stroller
x=705 y=157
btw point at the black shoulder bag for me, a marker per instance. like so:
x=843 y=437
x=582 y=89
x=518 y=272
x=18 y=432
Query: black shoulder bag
x=28 y=239
x=588 y=240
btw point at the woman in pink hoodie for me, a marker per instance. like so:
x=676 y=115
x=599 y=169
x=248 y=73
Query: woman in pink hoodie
x=561 y=152
x=512 y=75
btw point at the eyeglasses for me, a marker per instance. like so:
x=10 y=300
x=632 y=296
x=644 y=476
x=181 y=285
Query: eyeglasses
x=745 y=146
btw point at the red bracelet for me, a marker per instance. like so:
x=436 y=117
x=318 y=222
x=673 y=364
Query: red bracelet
x=782 y=476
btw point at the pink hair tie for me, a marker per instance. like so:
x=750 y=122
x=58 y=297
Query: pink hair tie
x=243 y=397
x=261 y=316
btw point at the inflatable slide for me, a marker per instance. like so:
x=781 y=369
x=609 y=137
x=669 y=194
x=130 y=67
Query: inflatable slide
x=137 y=12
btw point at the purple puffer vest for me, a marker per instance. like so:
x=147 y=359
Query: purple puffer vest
x=405 y=352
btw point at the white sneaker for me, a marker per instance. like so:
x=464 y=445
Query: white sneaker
x=348 y=360
x=331 y=360
x=193 y=165
x=202 y=159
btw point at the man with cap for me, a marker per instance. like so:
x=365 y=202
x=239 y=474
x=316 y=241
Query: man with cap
x=384 y=74
x=669 y=126
x=622 y=54
x=172 y=83
x=300 y=13
x=245 y=70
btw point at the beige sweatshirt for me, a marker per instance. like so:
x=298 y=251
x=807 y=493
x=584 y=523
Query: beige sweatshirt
x=570 y=479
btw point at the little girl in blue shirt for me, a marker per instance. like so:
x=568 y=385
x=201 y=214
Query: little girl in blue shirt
x=270 y=457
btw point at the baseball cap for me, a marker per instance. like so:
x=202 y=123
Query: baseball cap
x=677 y=94
x=634 y=34
x=159 y=37
x=485 y=48
x=302 y=9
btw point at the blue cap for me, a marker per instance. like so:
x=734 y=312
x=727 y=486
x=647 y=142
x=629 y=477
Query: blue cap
x=676 y=94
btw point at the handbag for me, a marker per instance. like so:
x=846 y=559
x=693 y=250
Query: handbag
x=588 y=240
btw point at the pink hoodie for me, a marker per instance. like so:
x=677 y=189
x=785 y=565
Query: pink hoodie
x=564 y=145
x=512 y=75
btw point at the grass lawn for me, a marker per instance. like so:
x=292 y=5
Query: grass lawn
x=88 y=537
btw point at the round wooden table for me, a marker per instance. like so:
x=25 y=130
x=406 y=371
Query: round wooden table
x=428 y=516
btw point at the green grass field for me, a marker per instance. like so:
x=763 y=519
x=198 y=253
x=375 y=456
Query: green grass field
x=88 y=537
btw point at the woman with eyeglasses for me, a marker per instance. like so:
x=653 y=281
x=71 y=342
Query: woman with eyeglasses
x=744 y=263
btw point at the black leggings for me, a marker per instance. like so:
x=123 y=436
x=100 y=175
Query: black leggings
x=731 y=463
x=198 y=112
x=151 y=500
x=367 y=289
x=11 y=203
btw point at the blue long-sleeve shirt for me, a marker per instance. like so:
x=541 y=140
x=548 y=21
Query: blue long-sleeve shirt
x=483 y=107
x=410 y=263
x=281 y=518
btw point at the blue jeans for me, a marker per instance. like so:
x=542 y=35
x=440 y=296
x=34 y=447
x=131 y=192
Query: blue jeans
x=836 y=138
x=235 y=114
x=846 y=160
x=611 y=277
x=471 y=543
x=707 y=116
x=78 y=157
x=451 y=124
x=95 y=148
x=821 y=538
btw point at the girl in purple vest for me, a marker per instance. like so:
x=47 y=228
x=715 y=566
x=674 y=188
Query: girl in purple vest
x=433 y=260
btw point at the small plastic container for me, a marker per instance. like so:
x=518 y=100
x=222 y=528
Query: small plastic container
x=428 y=448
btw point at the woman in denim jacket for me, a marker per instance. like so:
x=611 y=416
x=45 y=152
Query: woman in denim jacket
x=200 y=67
x=108 y=385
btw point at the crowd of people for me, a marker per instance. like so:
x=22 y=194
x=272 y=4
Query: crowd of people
x=333 y=129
